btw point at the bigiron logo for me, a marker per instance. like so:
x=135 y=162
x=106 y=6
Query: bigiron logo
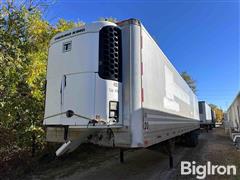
x=201 y=171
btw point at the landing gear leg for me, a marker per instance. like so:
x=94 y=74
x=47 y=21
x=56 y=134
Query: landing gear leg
x=121 y=156
x=170 y=147
x=65 y=133
x=170 y=161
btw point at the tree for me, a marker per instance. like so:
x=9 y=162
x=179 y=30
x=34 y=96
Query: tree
x=213 y=106
x=191 y=83
x=218 y=111
x=24 y=39
x=110 y=19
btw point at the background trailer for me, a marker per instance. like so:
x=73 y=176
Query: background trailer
x=206 y=117
x=110 y=84
x=232 y=119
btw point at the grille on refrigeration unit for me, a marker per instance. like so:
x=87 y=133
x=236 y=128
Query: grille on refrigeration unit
x=110 y=57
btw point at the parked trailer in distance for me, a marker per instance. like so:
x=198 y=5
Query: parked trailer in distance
x=213 y=118
x=226 y=123
x=206 y=116
x=111 y=84
x=233 y=119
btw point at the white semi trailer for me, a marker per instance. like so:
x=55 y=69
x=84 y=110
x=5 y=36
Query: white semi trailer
x=111 y=84
x=205 y=113
x=232 y=119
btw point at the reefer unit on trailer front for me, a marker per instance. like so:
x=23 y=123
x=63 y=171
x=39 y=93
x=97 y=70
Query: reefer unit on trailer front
x=111 y=84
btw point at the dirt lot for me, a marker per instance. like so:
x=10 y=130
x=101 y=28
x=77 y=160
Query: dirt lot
x=91 y=162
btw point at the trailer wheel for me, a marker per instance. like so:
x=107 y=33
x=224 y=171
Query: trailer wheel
x=192 y=139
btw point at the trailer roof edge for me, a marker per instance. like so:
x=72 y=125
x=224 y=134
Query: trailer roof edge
x=129 y=21
x=232 y=102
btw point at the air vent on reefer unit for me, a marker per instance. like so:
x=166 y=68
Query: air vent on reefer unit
x=110 y=53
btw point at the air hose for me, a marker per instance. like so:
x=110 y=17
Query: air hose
x=70 y=113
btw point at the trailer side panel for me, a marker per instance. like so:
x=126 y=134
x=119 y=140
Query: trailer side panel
x=170 y=106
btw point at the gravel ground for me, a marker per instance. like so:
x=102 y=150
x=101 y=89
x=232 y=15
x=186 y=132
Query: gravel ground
x=91 y=162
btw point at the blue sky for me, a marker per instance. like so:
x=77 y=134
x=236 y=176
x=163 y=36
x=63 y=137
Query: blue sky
x=200 y=37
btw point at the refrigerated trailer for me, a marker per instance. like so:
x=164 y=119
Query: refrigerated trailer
x=111 y=84
x=205 y=113
x=233 y=119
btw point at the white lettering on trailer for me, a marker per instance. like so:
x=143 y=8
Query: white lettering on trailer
x=173 y=90
x=169 y=101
